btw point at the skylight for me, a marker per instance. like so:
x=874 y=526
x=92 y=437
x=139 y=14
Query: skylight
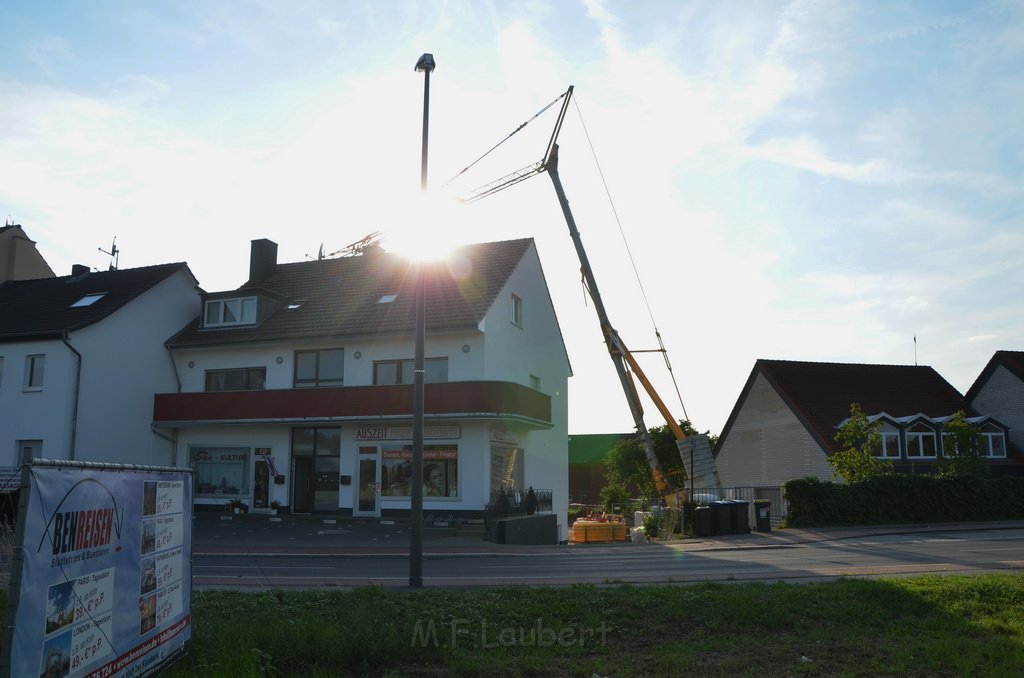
x=295 y=305
x=88 y=300
x=387 y=298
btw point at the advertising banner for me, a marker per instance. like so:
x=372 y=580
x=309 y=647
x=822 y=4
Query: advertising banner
x=103 y=586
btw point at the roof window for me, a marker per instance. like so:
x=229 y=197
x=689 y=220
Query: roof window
x=88 y=300
x=388 y=298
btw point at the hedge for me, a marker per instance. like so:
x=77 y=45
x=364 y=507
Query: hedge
x=901 y=498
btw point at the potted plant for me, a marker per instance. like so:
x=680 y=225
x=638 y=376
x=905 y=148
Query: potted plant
x=237 y=506
x=274 y=506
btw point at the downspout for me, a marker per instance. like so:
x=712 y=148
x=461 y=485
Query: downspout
x=173 y=440
x=78 y=386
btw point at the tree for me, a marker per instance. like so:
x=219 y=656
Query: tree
x=626 y=464
x=962 y=449
x=861 y=443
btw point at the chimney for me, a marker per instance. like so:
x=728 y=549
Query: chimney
x=262 y=260
x=79 y=270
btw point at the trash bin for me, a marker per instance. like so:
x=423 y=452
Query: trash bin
x=703 y=521
x=740 y=516
x=763 y=511
x=721 y=512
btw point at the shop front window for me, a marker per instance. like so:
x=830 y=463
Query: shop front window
x=440 y=471
x=220 y=471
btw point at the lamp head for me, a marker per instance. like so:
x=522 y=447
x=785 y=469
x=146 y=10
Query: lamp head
x=425 y=64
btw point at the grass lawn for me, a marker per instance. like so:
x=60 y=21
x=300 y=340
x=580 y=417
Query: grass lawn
x=924 y=626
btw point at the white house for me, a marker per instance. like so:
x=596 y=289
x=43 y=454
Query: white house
x=999 y=390
x=80 y=359
x=295 y=388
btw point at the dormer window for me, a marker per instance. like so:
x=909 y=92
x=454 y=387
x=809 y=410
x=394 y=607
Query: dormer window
x=920 y=442
x=223 y=312
x=994 y=441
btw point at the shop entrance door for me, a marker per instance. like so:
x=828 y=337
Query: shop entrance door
x=302 y=484
x=368 y=484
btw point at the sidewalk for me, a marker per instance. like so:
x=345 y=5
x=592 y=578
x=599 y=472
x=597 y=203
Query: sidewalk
x=256 y=534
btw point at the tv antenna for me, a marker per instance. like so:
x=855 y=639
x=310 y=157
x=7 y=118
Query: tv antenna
x=114 y=253
x=353 y=250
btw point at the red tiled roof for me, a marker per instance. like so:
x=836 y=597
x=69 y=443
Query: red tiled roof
x=820 y=394
x=341 y=295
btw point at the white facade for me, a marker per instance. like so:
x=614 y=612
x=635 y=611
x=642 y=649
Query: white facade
x=359 y=477
x=1002 y=396
x=767 y=445
x=95 y=401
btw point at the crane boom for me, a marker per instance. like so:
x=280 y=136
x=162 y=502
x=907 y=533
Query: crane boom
x=625 y=363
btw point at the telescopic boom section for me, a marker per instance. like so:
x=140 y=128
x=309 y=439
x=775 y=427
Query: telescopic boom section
x=610 y=335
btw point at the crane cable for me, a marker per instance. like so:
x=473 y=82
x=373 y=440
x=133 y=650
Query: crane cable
x=510 y=135
x=629 y=252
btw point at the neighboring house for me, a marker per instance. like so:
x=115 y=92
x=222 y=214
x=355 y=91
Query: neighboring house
x=587 y=471
x=80 y=359
x=784 y=423
x=19 y=258
x=296 y=387
x=999 y=391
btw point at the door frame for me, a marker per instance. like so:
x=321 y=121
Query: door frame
x=367 y=453
x=310 y=496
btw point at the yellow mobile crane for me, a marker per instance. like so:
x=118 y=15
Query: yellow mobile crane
x=694 y=451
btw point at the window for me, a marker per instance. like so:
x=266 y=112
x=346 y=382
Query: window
x=920 y=442
x=220 y=471
x=88 y=300
x=994 y=444
x=34 y=366
x=387 y=298
x=534 y=382
x=440 y=471
x=890 y=443
x=435 y=371
x=325 y=367
x=240 y=311
x=242 y=379
x=517 y=311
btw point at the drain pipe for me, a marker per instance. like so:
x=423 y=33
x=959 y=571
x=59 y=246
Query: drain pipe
x=78 y=386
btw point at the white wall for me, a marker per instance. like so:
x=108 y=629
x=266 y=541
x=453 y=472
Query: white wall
x=767 y=445
x=36 y=415
x=1002 y=397
x=124 y=362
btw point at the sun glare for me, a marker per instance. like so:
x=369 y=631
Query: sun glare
x=424 y=226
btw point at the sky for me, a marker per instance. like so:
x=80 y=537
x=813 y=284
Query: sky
x=807 y=180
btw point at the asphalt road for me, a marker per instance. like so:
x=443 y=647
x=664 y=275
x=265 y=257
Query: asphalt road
x=863 y=556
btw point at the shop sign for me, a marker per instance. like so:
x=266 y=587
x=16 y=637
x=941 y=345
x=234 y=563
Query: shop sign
x=104 y=584
x=10 y=478
x=405 y=432
x=433 y=452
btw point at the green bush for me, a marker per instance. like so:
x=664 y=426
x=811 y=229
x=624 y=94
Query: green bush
x=903 y=498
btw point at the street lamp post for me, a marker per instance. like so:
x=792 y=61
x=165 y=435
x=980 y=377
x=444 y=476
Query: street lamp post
x=425 y=64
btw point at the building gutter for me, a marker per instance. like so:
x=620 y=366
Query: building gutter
x=77 y=393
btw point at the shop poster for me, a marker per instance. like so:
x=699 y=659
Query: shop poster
x=105 y=581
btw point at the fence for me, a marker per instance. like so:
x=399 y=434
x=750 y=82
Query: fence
x=701 y=497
